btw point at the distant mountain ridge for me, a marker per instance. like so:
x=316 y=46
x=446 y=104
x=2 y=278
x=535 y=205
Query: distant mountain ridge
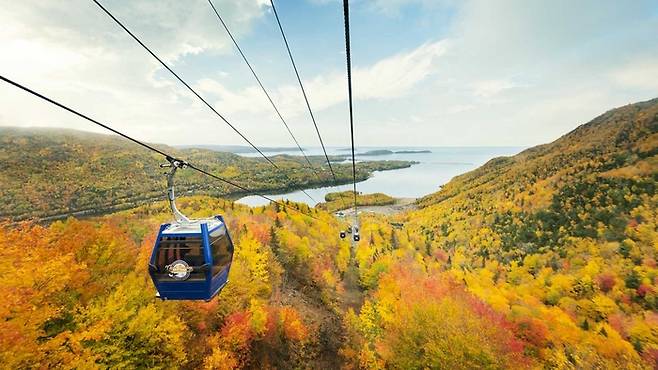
x=243 y=149
x=52 y=172
x=391 y=152
x=621 y=137
x=238 y=149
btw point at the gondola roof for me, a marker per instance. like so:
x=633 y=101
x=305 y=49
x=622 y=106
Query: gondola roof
x=193 y=226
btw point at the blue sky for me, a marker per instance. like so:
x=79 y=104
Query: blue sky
x=426 y=72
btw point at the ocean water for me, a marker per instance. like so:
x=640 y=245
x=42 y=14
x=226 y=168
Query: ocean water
x=435 y=169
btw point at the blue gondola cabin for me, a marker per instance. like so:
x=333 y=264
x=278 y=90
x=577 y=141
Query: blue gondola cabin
x=191 y=259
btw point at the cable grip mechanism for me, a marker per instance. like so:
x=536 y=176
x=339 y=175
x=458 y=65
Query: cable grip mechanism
x=174 y=164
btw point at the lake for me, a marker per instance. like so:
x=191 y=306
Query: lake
x=435 y=169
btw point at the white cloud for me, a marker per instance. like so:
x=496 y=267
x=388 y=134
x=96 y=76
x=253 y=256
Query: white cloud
x=395 y=76
x=386 y=79
x=458 y=108
x=520 y=72
x=490 y=88
x=393 y=7
x=80 y=57
x=513 y=71
x=641 y=74
x=251 y=99
x=172 y=28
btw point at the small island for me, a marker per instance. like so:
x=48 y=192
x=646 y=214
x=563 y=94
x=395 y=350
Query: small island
x=412 y=151
x=341 y=200
x=377 y=152
x=390 y=152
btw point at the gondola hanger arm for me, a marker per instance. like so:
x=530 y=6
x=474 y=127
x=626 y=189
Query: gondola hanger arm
x=174 y=164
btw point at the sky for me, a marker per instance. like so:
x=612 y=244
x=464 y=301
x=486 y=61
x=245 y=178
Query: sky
x=425 y=72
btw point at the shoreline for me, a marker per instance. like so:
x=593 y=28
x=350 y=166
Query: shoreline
x=123 y=204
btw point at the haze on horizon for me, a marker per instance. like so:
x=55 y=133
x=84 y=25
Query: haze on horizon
x=426 y=73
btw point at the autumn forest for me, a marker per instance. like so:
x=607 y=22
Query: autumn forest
x=546 y=259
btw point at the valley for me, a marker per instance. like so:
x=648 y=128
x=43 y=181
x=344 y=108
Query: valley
x=76 y=173
x=544 y=259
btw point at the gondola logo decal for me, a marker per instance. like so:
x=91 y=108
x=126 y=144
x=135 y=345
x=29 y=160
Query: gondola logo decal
x=179 y=270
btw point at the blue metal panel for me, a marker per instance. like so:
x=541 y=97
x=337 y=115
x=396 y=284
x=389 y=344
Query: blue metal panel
x=183 y=290
x=207 y=256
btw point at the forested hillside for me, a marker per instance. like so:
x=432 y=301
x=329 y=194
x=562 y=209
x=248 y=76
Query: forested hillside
x=542 y=260
x=79 y=295
x=48 y=172
x=562 y=240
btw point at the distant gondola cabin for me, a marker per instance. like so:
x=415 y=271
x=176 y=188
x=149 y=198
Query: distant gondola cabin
x=191 y=259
